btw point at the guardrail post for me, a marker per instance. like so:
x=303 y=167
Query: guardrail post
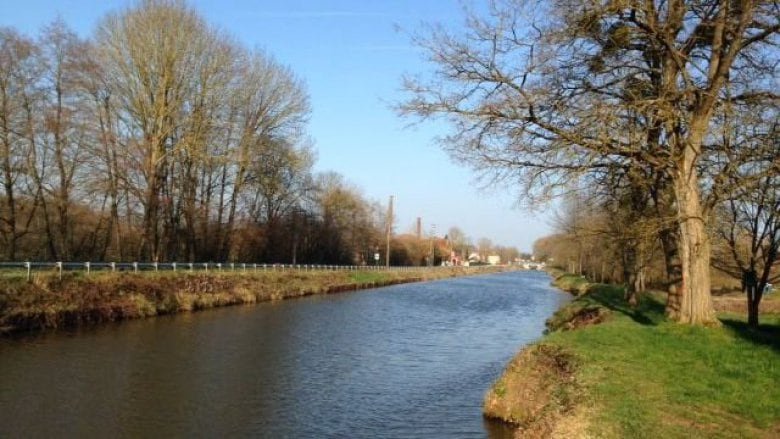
x=86 y=265
x=135 y=267
x=206 y=266
x=155 y=265
x=192 y=266
x=59 y=267
x=243 y=267
x=173 y=265
x=113 y=267
x=28 y=266
x=219 y=266
x=232 y=266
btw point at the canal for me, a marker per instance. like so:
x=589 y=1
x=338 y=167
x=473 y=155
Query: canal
x=411 y=360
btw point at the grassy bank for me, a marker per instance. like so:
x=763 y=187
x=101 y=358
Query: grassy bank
x=606 y=370
x=47 y=302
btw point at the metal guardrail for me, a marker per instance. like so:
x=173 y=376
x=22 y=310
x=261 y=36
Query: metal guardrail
x=136 y=267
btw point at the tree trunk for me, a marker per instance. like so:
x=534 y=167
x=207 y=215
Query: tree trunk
x=190 y=201
x=51 y=241
x=10 y=220
x=642 y=280
x=10 y=201
x=62 y=194
x=113 y=231
x=669 y=240
x=630 y=270
x=220 y=233
x=151 y=236
x=754 y=299
x=230 y=249
x=694 y=246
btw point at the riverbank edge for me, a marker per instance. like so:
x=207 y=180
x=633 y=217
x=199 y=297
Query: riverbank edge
x=602 y=369
x=48 y=303
x=537 y=391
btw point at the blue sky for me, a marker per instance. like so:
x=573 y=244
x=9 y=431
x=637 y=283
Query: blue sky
x=352 y=57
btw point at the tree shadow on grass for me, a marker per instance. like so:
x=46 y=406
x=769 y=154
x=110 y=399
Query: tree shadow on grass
x=649 y=311
x=764 y=335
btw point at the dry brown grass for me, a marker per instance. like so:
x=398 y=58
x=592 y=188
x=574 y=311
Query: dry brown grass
x=737 y=303
x=723 y=283
x=536 y=392
x=47 y=302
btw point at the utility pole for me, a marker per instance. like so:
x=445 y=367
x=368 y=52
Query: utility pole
x=389 y=230
x=433 y=237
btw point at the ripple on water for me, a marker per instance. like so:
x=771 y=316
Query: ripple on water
x=410 y=360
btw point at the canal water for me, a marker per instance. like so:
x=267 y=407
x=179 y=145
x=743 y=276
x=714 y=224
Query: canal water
x=410 y=360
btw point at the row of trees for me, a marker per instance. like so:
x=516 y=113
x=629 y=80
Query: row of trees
x=453 y=246
x=595 y=240
x=161 y=138
x=665 y=109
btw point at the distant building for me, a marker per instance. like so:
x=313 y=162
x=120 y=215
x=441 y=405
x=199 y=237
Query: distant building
x=494 y=259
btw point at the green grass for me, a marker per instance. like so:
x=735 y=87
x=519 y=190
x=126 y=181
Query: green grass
x=647 y=377
x=572 y=283
x=368 y=276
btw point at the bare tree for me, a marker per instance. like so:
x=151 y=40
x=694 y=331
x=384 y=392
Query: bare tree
x=748 y=226
x=540 y=91
x=19 y=99
x=150 y=53
x=107 y=177
x=459 y=241
x=271 y=103
x=484 y=248
x=64 y=132
x=159 y=138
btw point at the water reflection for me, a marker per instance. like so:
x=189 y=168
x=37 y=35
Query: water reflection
x=405 y=361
